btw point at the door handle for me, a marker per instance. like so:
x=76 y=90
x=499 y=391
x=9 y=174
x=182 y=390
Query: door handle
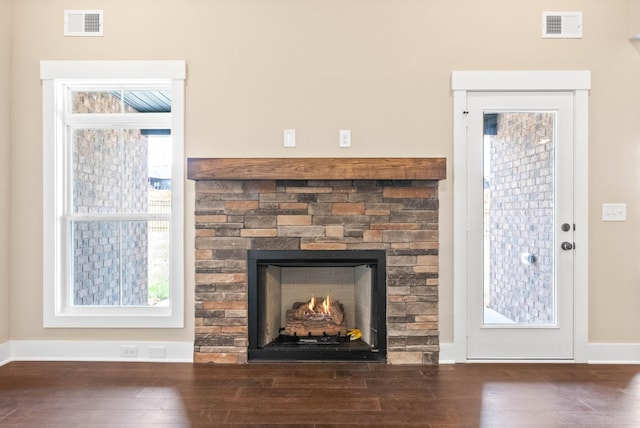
x=566 y=246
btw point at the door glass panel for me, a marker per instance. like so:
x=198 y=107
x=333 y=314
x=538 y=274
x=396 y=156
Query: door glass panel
x=519 y=197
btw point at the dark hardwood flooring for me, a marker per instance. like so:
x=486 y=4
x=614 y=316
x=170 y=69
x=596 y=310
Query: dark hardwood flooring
x=316 y=395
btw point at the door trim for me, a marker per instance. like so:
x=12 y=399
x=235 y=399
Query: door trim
x=463 y=82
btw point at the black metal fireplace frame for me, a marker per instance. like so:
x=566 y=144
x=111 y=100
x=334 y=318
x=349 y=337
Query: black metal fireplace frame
x=317 y=258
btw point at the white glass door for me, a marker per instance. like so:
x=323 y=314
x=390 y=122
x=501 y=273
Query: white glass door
x=520 y=225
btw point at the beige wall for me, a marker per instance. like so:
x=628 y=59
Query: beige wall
x=378 y=67
x=5 y=164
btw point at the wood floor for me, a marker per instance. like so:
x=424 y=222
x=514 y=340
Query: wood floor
x=73 y=394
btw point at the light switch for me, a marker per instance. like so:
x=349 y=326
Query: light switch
x=289 y=137
x=614 y=212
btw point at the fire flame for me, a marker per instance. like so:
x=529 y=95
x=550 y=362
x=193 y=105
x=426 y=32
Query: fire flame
x=326 y=304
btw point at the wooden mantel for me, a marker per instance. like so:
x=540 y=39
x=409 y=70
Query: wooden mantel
x=316 y=168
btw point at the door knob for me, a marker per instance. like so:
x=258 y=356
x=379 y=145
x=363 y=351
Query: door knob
x=566 y=246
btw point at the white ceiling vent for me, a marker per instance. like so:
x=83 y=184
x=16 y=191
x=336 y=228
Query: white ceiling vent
x=83 y=22
x=562 y=25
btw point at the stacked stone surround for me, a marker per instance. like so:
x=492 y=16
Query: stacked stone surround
x=234 y=216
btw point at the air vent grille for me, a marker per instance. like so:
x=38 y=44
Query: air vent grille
x=562 y=25
x=83 y=23
x=554 y=24
x=92 y=23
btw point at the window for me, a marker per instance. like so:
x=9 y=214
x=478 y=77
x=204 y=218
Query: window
x=113 y=193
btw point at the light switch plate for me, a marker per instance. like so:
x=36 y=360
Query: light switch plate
x=289 y=137
x=614 y=212
x=345 y=138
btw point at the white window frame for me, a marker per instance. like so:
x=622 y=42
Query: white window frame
x=57 y=76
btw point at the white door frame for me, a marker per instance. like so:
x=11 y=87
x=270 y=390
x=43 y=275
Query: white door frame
x=463 y=82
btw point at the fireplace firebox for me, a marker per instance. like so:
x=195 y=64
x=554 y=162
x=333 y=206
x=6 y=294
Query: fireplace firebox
x=317 y=305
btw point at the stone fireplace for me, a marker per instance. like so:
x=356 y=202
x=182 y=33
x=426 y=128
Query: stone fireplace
x=328 y=205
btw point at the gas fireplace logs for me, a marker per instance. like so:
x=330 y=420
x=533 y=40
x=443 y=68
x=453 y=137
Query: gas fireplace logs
x=317 y=317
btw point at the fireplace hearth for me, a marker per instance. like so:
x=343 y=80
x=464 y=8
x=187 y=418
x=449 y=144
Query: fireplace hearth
x=356 y=279
x=259 y=218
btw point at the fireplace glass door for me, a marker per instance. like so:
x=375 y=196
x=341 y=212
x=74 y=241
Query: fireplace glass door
x=317 y=305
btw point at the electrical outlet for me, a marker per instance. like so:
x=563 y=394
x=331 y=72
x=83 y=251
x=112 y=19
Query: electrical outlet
x=129 y=351
x=157 y=351
x=614 y=212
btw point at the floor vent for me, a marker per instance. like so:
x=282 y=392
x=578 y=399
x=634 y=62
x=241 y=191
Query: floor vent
x=562 y=25
x=83 y=23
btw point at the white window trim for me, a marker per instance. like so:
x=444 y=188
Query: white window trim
x=56 y=312
x=463 y=82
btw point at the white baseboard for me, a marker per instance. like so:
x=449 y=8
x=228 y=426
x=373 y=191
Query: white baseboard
x=63 y=350
x=447 y=354
x=5 y=353
x=596 y=353
x=613 y=353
